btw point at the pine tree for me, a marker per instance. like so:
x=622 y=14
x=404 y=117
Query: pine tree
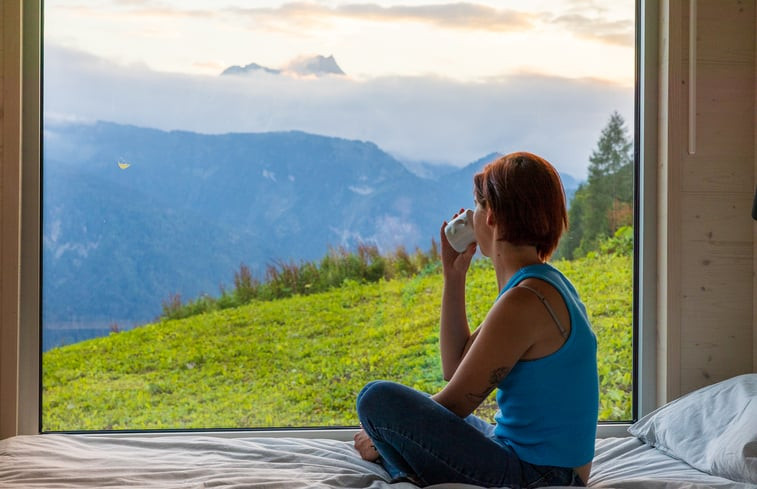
x=605 y=202
x=572 y=238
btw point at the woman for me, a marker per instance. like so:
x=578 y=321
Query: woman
x=535 y=346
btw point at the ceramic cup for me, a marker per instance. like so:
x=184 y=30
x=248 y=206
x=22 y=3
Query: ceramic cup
x=459 y=231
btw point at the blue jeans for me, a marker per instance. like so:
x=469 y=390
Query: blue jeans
x=420 y=440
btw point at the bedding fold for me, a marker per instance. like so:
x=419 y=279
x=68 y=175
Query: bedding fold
x=190 y=461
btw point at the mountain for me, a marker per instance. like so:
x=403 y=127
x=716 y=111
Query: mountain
x=315 y=65
x=133 y=215
x=432 y=171
x=465 y=194
x=249 y=68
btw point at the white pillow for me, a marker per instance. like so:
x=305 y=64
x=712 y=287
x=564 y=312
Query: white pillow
x=713 y=429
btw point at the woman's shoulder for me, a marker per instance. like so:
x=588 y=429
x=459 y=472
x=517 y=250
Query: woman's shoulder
x=542 y=271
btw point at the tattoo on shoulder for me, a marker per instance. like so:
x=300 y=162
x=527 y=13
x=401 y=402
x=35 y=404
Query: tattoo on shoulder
x=496 y=376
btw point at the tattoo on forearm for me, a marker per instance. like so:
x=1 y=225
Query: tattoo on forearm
x=496 y=376
x=479 y=398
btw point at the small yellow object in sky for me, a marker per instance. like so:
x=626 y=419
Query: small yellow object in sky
x=123 y=165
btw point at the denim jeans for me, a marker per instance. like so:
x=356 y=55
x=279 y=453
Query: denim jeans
x=421 y=441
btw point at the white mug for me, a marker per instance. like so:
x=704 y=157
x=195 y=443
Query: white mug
x=459 y=231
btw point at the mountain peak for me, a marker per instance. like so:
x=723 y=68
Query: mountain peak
x=316 y=65
x=249 y=68
x=312 y=65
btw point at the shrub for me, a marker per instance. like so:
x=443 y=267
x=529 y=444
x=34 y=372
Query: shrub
x=287 y=278
x=621 y=243
x=245 y=286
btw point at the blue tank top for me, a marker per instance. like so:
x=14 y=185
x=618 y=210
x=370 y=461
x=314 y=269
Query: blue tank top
x=548 y=407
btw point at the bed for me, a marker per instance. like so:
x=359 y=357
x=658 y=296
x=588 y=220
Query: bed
x=707 y=439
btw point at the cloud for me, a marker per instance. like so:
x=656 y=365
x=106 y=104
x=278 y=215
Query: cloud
x=461 y=15
x=479 y=37
x=585 y=19
x=458 y=15
x=620 y=32
x=141 y=9
x=417 y=118
x=593 y=20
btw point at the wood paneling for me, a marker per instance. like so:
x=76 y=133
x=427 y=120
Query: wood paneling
x=10 y=124
x=671 y=138
x=754 y=225
x=709 y=323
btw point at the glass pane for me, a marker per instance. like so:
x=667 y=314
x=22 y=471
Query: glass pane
x=242 y=200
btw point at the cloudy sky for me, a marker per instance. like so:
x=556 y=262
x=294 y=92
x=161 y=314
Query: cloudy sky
x=428 y=80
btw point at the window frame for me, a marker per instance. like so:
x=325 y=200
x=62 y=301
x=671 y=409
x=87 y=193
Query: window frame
x=29 y=390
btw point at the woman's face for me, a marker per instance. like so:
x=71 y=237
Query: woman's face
x=480 y=228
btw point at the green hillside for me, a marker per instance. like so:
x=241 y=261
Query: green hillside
x=300 y=361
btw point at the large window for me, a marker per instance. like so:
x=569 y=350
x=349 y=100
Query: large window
x=242 y=200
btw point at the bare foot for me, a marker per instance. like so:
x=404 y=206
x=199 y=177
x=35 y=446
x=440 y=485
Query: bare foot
x=364 y=446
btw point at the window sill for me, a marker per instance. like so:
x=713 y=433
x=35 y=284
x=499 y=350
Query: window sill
x=604 y=430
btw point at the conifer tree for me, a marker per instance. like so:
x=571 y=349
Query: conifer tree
x=605 y=202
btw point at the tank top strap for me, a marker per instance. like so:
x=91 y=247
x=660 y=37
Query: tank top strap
x=551 y=311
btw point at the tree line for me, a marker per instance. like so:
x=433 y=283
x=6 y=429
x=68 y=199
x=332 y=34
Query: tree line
x=601 y=211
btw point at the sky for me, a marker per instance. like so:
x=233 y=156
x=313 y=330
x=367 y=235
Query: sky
x=426 y=80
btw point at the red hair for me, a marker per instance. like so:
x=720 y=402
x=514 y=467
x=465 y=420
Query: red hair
x=526 y=195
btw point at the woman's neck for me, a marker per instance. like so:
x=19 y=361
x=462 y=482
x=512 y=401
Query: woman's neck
x=508 y=259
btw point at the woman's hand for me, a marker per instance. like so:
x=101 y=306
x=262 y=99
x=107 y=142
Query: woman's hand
x=364 y=446
x=454 y=332
x=455 y=264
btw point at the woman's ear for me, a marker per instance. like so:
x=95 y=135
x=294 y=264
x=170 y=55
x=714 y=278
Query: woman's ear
x=490 y=217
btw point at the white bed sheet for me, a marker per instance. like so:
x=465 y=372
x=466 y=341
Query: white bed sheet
x=628 y=463
x=187 y=461
x=202 y=461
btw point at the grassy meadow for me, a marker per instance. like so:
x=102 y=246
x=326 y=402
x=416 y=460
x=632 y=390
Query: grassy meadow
x=299 y=361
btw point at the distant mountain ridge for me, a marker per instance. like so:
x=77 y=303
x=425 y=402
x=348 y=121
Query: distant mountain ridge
x=248 y=68
x=315 y=65
x=189 y=208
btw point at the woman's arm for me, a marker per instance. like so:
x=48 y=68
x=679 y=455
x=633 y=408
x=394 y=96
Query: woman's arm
x=454 y=333
x=503 y=338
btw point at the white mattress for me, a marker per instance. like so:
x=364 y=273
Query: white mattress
x=627 y=463
x=201 y=461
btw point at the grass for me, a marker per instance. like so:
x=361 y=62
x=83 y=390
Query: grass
x=300 y=361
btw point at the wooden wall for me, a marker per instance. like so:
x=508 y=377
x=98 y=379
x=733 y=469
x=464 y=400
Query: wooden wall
x=10 y=187
x=706 y=298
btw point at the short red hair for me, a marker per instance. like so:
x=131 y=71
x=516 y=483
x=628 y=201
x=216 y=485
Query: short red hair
x=526 y=195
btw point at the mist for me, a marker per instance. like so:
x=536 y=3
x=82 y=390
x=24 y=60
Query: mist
x=427 y=119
